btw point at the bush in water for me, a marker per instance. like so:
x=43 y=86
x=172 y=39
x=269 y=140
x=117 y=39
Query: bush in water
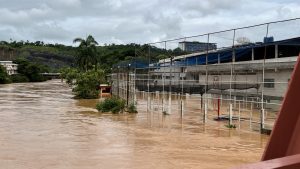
x=19 y=78
x=87 y=84
x=113 y=104
x=132 y=108
x=4 y=78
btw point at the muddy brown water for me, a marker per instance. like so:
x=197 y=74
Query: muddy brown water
x=43 y=127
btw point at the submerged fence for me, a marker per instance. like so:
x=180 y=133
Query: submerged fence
x=238 y=75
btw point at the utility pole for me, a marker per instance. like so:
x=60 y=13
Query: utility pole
x=128 y=84
x=118 y=82
x=262 y=114
x=170 y=85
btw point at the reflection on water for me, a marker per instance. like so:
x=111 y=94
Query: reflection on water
x=43 y=127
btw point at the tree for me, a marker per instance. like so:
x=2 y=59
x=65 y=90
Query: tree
x=86 y=56
x=4 y=78
x=30 y=70
x=87 y=84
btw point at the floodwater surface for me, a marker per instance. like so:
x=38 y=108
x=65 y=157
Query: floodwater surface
x=43 y=127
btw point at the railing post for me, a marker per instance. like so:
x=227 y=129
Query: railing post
x=230 y=114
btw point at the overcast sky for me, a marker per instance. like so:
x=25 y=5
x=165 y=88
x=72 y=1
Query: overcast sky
x=133 y=21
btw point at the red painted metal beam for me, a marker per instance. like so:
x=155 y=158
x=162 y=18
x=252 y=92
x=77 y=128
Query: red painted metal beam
x=285 y=137
x=289 y=162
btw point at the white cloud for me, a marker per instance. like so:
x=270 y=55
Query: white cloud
x=134 y=21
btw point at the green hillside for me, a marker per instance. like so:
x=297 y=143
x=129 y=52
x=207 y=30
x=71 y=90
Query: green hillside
x=57 y=56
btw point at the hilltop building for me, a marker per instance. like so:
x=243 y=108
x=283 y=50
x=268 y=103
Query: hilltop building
x=10 y=67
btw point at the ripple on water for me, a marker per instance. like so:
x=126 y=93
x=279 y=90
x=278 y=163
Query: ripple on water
x=42 y=126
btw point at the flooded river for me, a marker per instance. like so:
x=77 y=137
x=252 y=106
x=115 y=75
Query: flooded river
x=42 y=127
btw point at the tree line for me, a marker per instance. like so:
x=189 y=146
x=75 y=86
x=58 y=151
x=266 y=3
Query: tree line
x=90 y=61
x=88 y=53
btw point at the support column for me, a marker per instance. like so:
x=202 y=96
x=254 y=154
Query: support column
x=205 y=113
x=148 y=102
x=251 y=112
x=276 y=51
x=230 y=114
x=262 y=123
x=181 y=108
x=234 y=101
x=170 y=103
x=252 y=54
x=239 y=114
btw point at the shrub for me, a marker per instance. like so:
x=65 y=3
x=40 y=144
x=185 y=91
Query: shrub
x=31 y=70
x=69 y=74
x=131 y=108
x=165 y=112
x=4 y=78
x=19 y=78
x=231 y=126
x=113 y=104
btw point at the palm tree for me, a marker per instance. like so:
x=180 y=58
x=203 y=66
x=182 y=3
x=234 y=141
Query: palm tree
x=86 y=52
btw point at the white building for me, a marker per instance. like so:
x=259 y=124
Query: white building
x=10 y=67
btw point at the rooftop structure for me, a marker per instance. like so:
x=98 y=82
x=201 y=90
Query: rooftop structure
x=247 y=52
x=196 y=46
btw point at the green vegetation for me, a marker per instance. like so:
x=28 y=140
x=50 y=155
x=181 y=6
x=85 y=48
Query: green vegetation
x=55 y=56
x=86 y=78
x=19 y=78
x=132 y=108
x=113 y=104
x=87 y=84
x=165 y=113
x=84 y=67
x=231 y=126
x=4 y=77
x=86 y=53
x=69 y=74
x=29 y=72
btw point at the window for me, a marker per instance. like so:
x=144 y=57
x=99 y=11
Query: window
x=269 y=83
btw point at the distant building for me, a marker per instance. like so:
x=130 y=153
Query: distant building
x=279 y=62
x=196 y=46
x=10 y=67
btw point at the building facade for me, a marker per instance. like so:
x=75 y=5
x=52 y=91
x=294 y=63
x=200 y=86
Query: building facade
x=11 y=68
x=254 y=71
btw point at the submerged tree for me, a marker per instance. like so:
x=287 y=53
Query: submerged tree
x=86 y=57
x=4 y=78
x=86 y=84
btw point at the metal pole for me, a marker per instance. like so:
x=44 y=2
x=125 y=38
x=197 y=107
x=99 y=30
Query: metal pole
x=134 y=84
x=127 y=92
x=262 y=120
x=148 y=80
x=239 y=114
x=231 y=78
x=218 y=108
x=170 y=85
x=163 y=78
x=181 y=93
x=118 y=82
x=238 y=28
x=251 y=112
x=206 y=80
